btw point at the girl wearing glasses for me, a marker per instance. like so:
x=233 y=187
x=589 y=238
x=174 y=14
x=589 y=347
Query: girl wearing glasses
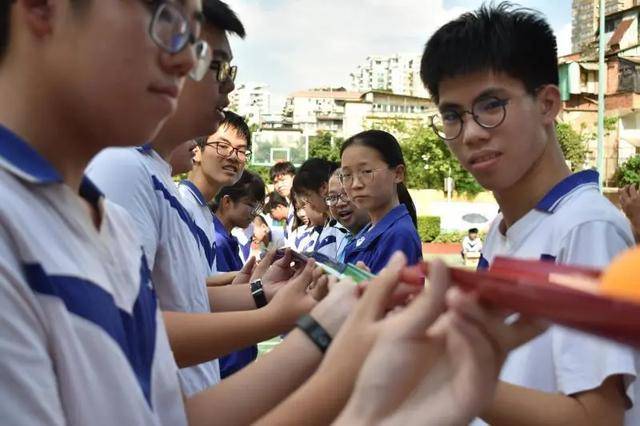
x=311 y=187
x=235 y=206
x=372 y=174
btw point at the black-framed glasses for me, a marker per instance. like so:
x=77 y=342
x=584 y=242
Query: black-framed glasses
x=365 y=176
x=224 y=70
x=226 y=150
x=488 y=113
x=170 y=28
x=334 y=199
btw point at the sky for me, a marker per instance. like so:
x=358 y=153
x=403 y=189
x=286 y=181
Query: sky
x=300 y=44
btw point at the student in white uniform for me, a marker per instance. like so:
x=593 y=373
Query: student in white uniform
x=281 y=175
x=218 y=162
x=83 y=341
x=498 y=100
x=180 y=252
x=311 y=185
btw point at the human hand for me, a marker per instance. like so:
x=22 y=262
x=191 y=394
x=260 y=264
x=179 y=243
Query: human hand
x=292 y=299
x=630 y=203
x=244 y=275
x=277 y=274
x=440 y=374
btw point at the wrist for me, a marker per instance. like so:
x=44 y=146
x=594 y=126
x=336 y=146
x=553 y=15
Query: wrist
x=258 y=293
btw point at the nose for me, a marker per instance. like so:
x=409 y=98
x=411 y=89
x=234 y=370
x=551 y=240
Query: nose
x=472 y=132
x=178 y=64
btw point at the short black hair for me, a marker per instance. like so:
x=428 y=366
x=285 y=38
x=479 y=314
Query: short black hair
x=473 y=230
x=275 y=200
x=313 y=174
x=220 y=15
x=500 y=38
x=250 y=186
x=282 y=168
x=233 y=121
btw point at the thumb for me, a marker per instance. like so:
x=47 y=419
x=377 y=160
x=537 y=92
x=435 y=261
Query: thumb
x=425 y=308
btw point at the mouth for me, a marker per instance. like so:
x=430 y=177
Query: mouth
x=344 y=215
x=484 y=160
x=230 y=168
x=167 y=90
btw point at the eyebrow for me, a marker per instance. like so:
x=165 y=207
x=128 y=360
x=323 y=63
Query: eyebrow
x=486 y=93
x=223 y=139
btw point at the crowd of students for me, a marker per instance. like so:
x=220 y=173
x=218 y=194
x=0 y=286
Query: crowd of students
x=121 y=290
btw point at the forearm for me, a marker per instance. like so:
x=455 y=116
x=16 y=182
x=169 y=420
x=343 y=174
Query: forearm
x=231 y=298
x=250 y=393
x=221 y=278
x=201 y=337
x=523 y=406
x=317 y=402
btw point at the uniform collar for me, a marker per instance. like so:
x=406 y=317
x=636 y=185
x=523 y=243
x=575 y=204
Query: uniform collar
x=23 y=161
x=567 y=186
x=20 y=159
x=145 y=148
x=194 y=191
x=368 y=234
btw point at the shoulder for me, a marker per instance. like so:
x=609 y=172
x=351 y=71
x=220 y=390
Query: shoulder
x=587 y=206
x=119 y=170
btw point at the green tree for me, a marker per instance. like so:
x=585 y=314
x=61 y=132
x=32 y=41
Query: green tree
x=628 y=173
x=429 y=160
x=325 y=145
x=573 y=145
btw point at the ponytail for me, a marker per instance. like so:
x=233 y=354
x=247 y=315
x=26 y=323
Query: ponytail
x=405 y=198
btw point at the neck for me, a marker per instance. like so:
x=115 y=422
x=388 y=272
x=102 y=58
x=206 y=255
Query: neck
x=208 y=188
x=380 y=212
x=49 y=128
x=546 y=172
x=169 y=137
x=226 y=222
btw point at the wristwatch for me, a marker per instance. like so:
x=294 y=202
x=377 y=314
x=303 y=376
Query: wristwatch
x=258 y=293
x=315 y=332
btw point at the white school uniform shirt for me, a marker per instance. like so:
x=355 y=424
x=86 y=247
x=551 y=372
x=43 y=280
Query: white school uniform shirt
x=179 y=253
x=331 y=239
x=572 y=224
x=195 y=203
x=83 y=341
x=470 y=245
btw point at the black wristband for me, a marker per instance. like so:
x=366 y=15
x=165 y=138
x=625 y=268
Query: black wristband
x=314 y=331
x=258 y=293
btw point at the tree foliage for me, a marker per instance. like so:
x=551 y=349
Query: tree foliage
x=628 y=173
x=573 y=145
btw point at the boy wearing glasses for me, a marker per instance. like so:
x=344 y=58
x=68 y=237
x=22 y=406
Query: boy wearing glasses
x=82 y=339
x=181 y=254
x=498 y=99
x=345 y=212
x=219 y=161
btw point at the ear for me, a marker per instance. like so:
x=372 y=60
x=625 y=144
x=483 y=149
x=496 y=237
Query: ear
x=37 y=15
x=399 y=173
x=197 y=159
x=226 y=202
x=549 y=103
x=324 y=189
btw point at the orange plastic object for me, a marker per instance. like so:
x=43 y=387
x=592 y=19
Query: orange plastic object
x=622 y=278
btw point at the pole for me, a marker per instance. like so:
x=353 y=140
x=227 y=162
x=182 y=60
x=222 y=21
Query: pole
x=602 y=82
